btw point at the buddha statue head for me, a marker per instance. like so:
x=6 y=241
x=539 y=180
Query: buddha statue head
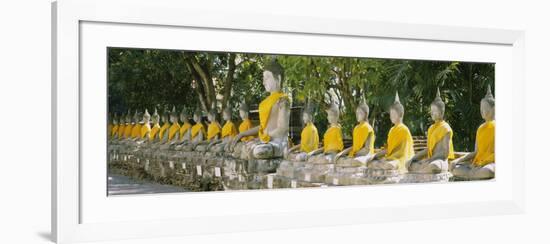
x=173 y=116
x=243 y=110
x=197 y=116
x=396 y=110
x=146 y=117
x=437 y=108
x=362 y=111
x=155 y=118
x=227 y=113
x=487 y=106
x=184 y=117
x=333 y=113
x=309 y=112
x=273 y=76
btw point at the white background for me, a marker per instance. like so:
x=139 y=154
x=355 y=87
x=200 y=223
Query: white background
x=25 y=109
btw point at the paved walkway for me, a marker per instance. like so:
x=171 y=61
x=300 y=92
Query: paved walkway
x=123 y=185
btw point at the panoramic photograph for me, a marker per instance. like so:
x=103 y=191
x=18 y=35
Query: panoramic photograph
x=201 y=121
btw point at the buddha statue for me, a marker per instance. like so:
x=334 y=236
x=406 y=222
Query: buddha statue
x=399 y=145
x=480 y=164
x=185 y=129
x=121 y=128
x=114 y=128
x=434 y=159
x=170 y=135
x=163 y=137
x=129 y=126
x=237 y=148
x=136 y=130
x=212 y=132
x=154 y=133
x=228 y=131
x=362 y=149
x=309 y=137
x=274 y=113
x=145 y=129
x=333 y=141
x=198 y=132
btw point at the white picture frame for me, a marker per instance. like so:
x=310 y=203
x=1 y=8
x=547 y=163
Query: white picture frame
x=70 y=21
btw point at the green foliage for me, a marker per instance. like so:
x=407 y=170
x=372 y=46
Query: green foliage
x=162 y=78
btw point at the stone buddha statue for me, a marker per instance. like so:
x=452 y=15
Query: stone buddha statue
x=170 y=135
x=399 y=146
x=185 y=129
x=136 y=129
x=434 y=159
x=163 y=136
x=333 y=141
x=198 y=132
x=228 y=132
x=145 y=129
x=480 y=164
x=129 y=126
x=246 y=124
x=309 y=137
x=155 y=129
x=121 y=128
x=114 y=128
x=274 y=113
x=362 y=149
x=212 y=132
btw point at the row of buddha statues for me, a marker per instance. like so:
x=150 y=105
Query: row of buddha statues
x=269 y=139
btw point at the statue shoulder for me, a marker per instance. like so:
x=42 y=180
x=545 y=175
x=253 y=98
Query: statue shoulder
x=284 y=102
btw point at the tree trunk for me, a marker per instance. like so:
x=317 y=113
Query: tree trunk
x=228 y=84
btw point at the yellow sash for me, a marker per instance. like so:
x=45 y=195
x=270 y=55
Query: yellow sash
x=485 y=141
x=229 y=129
x=213 y=130
x=199 y=127
x=333 y=139
x=309 y=139
x=163 y=129
x=183 y=129
x=244 y=126
x=436 y=133
x=361 y=133
x=128 y=131
x=154 y=131
x=136 y=130
x=400 y=146
x=144 y=130
x=114 y=131
x=121 y=129
x=265 y=111
x=174 y=128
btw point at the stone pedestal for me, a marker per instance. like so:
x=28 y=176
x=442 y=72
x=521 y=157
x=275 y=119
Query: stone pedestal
x=425 y=178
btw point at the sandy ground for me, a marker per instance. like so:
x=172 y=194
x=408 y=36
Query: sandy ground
x=122 y=185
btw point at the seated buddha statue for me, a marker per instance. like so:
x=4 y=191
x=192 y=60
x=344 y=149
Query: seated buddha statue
x=480 y=164
x=113 y=131
x=198 y=132
x=434 y=159
x=185 y=129
x=145 y=129
x=136 y=130
x=399 y=146
x=172 y=133
x=129 y=126
x=245 y=125
x=309 y=137
x=121 y=128
x=228 y=131
x=333 y=141
x=362 y=149
x=155 y=129
x=274 y=113
x=212 y=132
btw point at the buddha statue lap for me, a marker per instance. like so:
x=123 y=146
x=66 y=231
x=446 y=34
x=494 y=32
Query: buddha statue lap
x=480 y=164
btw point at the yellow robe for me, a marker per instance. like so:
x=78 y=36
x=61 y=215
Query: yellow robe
x=214 y=130
x=485 y=141
x=436 y=133
x=400 y=146
x=361 y=133
x=136 y=130
x=114 y=131
x=174 y=128
x=163 y=129
x=128 y=131
x=144 y=130
x=154 y=132
x=333 y=139
x=183 y=129
x=265 y=110
x=229 y=129
x=110 y=129
x=199 y=127
x=309 y=139
x=244 y=126
x=120 y=133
